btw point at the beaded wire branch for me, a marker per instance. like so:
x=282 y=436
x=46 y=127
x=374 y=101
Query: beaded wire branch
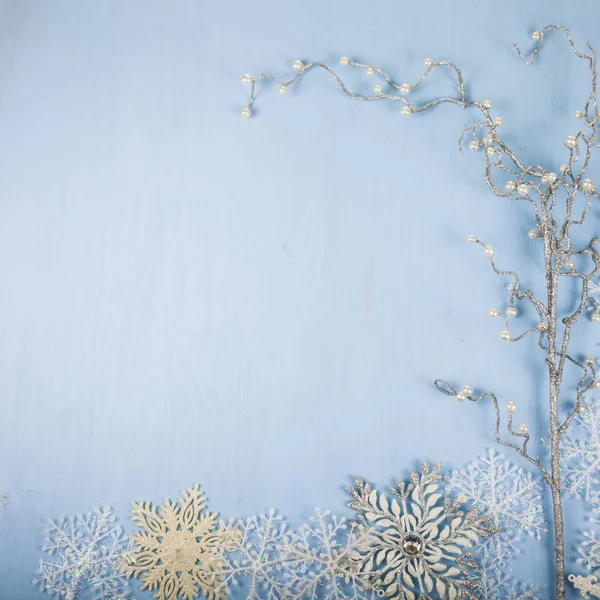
x=558 y=202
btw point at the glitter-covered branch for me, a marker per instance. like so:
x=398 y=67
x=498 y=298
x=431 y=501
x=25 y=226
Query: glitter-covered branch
x=559 y=202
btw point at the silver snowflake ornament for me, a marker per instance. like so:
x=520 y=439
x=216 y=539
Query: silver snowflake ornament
x=418 y=543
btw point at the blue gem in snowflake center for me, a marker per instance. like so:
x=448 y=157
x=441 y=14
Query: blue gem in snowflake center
x=412 y=545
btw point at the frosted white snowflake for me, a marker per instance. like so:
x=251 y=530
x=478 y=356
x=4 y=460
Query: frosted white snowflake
x=255 y=555
x=510 y=494
x=88 y=551
x=318 y=561
x=580 y=450
x=495 y=582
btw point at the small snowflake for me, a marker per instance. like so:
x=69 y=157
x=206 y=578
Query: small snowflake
x=511 y=495
x=419 y=541
x=180 y=549
x=495 y=583
x=580 y=450
x=88 y=552
x=255 y=555
x=319 y=562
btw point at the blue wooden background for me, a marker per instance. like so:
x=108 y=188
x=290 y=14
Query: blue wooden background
x=257 y=305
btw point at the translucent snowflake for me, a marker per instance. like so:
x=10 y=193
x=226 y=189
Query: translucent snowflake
x=419 y=541
x=179 y=549
x=319 y=561
x=496 y=584
x=255 y=555
x=511 y=495
x=580 y=450
x=88 y=552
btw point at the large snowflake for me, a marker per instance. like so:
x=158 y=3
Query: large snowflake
x=319 y=561
x=255 y=555
x=419 y=542
x=580 y=449
x=179 y=550
x=88 y=551
x=510 y=494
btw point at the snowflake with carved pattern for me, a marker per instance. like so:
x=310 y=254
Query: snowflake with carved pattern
x=87 y=551
x=420 y=541
x=506 y=492
x=179 y=549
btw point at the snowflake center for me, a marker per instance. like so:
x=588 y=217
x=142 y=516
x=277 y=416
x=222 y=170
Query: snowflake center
x=412 y=544
x=179 y=550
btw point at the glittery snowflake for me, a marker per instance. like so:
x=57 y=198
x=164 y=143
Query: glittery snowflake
x=88 y=551
x=511 y=495
x=419 y=542
x=580 y=451
x=179 y=550
x=255 y=556
x=320 y=563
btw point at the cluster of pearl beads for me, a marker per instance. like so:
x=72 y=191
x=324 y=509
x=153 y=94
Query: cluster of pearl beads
x=549 y=178
x=465 y=393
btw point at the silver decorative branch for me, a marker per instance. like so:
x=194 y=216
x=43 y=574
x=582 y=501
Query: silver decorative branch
x=552 y=198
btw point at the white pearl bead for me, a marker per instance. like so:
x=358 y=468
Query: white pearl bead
x=596 y=383
x=489 y=151
x=468 y=390
x=498 y=121
x=511 y=287
x=245 y=112
x=587 y=185
x=283 y=90
x=533 y=234
x=370 y=71
x=590 y=361
x=581 y=409
x=579 y=114
x=569 y=264
x=406 y=111
x=488 y=139
x=473 y=146
x=489 y=251
x=563 y=168
x=512 y=311
x=524 y=429
x=472 y=239
x=494 y=312
x=378 y=89
x=345 y=61
x=247 y=79
x=487 y=104
x=537 y=35
x=571 y=141
x=544 y=179
x=297 y=65
x=552 y=177
x=523 y=189
x=405 y=89
x=542 y=326
x=427 y=62
x=505 y=335
x=596 y=317
x=511 y=407
x=461 y=396
x=510 y=186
